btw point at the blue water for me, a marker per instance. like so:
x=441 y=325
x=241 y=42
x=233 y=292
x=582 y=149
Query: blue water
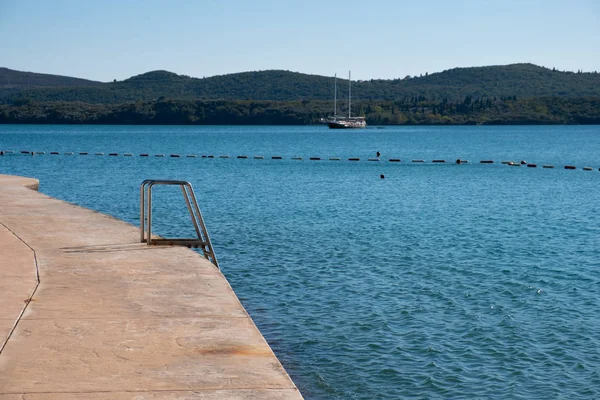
x=439 y=281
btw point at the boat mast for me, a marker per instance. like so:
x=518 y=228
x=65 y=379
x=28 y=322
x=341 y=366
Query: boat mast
x=349 y=95
x=335 y=96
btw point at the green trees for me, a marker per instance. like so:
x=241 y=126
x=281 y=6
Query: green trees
x=519 y=93
x=520 y=80
x=415 y=110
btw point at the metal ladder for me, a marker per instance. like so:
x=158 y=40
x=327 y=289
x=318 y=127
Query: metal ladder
x=202 y=241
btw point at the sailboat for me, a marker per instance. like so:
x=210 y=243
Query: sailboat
x=337 y=122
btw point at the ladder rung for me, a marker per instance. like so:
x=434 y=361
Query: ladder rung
x=200 y=242
x=181 y=240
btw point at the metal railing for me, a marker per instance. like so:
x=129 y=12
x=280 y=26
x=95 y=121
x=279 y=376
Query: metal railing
x=202 y=241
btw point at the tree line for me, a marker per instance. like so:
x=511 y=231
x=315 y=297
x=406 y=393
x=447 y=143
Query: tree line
x=414 y=110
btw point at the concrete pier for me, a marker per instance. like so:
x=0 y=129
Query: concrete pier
x=87 y=312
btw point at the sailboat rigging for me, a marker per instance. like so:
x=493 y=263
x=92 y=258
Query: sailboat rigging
x=338 y=122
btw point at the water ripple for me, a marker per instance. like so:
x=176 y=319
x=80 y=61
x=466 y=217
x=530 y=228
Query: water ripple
x=437 y=282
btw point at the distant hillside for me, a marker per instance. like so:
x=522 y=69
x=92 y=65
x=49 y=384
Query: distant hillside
x=12 y=81
x=520 y=80
x=261 y=85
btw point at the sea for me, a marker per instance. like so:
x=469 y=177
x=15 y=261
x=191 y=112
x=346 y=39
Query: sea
x=373 y=279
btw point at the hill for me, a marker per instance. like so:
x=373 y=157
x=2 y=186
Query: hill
x=12 y=81
x=520 y=80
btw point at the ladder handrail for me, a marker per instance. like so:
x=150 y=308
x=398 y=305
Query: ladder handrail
x=203 y=240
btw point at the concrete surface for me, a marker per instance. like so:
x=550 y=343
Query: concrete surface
x=112 y=318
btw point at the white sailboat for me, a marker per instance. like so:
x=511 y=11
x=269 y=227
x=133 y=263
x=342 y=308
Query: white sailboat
x=337 y=122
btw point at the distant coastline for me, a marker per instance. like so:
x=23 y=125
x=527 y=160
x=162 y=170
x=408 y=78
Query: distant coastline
x=483 y=111
x=513 y=94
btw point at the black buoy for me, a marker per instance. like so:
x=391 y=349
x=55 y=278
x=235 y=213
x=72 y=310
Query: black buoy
x=382 y=176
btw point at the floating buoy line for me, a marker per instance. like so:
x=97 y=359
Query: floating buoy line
x=295 y=158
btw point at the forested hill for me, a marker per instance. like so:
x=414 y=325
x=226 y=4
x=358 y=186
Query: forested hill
x=12 y=81
x=516 y=80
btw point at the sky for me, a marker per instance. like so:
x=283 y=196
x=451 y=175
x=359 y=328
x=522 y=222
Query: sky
x=384 y=39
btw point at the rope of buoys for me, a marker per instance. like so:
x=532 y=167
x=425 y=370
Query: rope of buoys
x=372 y=159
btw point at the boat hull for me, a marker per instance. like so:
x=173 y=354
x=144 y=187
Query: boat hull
x=346 y=124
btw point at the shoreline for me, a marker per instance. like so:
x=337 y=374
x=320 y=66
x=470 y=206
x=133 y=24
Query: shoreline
x=372 y=126
x=403 y=111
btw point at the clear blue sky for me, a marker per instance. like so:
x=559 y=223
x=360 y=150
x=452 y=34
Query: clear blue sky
x=116 y=39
